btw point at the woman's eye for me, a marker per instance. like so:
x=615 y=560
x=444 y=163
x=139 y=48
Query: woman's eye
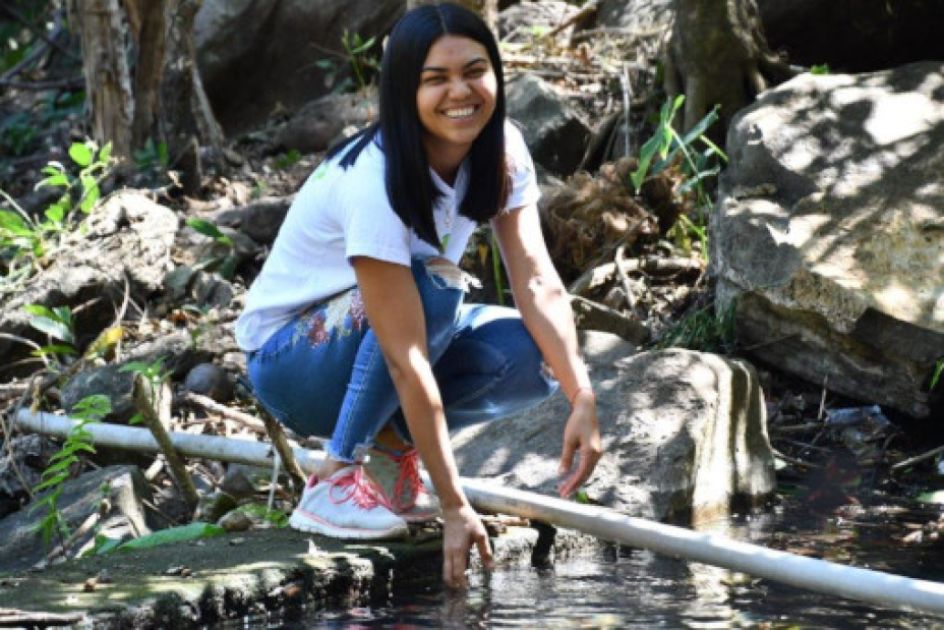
x=475 y=73
x=433 y=80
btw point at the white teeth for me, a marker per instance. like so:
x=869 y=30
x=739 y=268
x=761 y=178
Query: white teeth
x=460 y=113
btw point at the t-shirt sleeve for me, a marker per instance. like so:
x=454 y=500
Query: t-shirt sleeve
x=524 y=184
x=371 y=227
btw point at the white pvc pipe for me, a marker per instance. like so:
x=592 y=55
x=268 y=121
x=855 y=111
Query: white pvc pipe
x=810 y=573
x=189 y=444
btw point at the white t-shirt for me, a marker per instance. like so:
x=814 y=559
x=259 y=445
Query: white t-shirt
x=341 y=213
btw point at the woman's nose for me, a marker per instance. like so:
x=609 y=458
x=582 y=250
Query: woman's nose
x=459 y=89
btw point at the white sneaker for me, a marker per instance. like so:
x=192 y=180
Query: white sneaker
x=347 y=505
x=399 y=476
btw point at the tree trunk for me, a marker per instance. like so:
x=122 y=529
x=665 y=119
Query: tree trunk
x=104 y=35
x=717 y=55
x=488 y=9
x=142 y=81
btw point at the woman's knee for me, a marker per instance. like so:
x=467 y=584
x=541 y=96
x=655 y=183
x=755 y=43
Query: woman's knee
x=441 y=286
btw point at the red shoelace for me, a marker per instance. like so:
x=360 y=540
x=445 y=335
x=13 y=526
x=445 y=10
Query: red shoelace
x=359 y=488
x=409 y=477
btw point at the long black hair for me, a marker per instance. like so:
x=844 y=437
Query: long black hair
x=410 y=187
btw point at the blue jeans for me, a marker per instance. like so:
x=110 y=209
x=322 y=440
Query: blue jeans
x=323 y=373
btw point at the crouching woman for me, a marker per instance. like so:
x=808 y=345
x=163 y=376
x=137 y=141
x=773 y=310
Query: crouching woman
x=356 y=329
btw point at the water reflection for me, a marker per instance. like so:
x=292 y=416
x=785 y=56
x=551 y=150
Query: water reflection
x=632 y=588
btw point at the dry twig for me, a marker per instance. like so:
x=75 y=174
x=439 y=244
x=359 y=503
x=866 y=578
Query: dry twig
x=143 y=396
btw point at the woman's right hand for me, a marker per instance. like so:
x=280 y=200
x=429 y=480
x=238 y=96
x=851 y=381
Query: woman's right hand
x=462 y=528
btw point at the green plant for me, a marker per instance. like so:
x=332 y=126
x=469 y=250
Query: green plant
x=667 y=144
x=287 y=159
x=357 y=50
x=152 y=157
x=702 y=330
x=26 y=241
x=88 y=410
x=278 y=518
x=822 y=68
x=56 y=322
x=936 y=375
x=224 y=264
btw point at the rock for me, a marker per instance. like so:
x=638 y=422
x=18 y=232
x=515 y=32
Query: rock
x=553 y=129
x=210 y=289
x=235 y=521
x=262 y=219
x=639 y=17
x=179 y=351
x=22 y=546
x=879 y=36
x=22 y=462
x=321 y=123
x=108 y=380
x=210 y=380
x=684 y=435
x=526 y=20
x=260 y=57
x=129 y=239
x=828 y=232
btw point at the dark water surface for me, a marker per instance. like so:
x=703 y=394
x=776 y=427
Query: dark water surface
x=632 y=588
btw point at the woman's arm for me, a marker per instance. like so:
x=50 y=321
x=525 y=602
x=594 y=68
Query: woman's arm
x=395 y=314
x=545 y=308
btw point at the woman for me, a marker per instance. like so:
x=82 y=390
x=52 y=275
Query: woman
x=355 y=328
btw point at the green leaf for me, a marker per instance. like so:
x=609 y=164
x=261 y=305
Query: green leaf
x=58 y=179
x=14 y=223
x=822 y=68
x=105 y=153
x=53 y=328
x=91 y=194
x=54 y=349
x=80 y=154
x=184 y=533
x=55 y=213
x=52 y=168
x=95 y=406
x=52 y=481
x=208 y=229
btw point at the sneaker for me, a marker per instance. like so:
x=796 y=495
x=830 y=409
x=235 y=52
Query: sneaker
x=347 y=505
x=399 y=476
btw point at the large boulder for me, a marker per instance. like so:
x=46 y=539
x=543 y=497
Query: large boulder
x=259 y=57
x=684 y=436
x=113 y=497
x=828 y=235
x=126 y=245
x=554 y=130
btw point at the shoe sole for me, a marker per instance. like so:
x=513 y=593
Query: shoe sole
x=310 y=523
x=420 y=517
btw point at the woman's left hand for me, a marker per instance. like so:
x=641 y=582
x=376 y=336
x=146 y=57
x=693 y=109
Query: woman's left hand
x=582 y=434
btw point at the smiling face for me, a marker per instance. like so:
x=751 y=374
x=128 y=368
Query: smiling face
x=455 y=99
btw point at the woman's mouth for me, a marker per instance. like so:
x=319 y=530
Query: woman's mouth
x=458 y=113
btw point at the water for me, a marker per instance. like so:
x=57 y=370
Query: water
x=633 y=588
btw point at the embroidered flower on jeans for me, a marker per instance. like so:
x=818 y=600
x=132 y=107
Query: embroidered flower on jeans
x=318 y=323
x=358 y=314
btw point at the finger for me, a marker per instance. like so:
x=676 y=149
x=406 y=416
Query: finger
x=459 y=564
x=485 y=552
x=447 y=568
x=567 y=457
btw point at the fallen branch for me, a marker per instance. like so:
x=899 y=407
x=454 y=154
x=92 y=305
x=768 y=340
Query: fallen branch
x=142 y=394
x=284 y=449
x=209 y=404
x=595 y=316
x=918 y=458
x=13 y=618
